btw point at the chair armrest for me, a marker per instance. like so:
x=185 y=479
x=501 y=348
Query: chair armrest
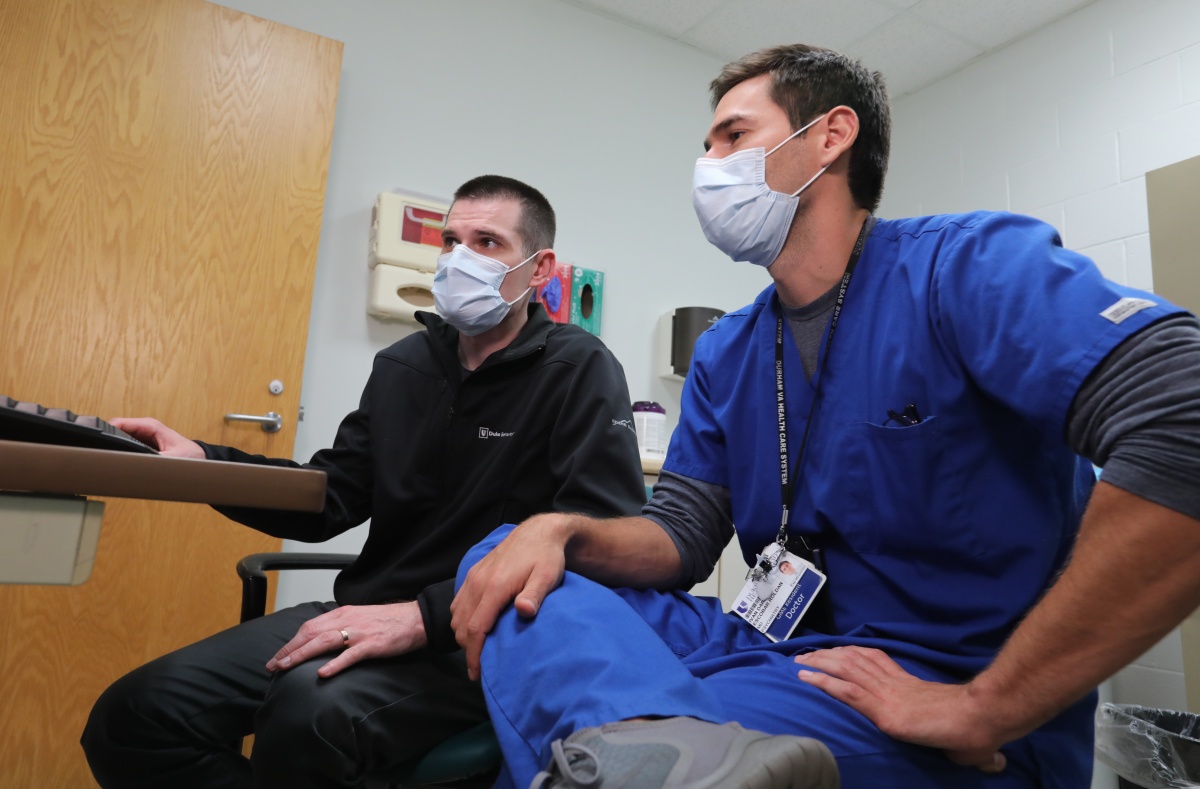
x=253 y=568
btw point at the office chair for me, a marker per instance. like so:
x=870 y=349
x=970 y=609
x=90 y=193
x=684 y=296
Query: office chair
x=468 y=759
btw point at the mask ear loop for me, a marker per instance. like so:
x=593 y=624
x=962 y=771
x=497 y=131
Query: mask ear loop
x=810 y=180
x=801 y=130
x=523 y=262
x=514 y=268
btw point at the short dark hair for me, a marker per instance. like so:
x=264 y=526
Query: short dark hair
x=536 y=225
x=807 y=81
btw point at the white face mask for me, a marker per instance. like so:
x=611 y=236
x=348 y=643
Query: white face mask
x=466 y=290
x=739 y=213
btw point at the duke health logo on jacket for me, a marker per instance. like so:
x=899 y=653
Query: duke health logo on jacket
x=487 y=432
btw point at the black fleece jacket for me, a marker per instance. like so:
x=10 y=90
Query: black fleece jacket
x=437 y=458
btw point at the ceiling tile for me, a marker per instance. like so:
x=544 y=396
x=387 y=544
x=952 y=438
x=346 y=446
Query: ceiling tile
x=914 y=42
x=739 y=27
x=670 y=17
x=993 y=24
x=912 y=53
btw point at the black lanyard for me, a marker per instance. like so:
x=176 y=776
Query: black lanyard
x=786 y=480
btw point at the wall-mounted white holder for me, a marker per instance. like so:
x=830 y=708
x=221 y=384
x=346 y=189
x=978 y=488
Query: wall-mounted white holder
x=406 y=230
x=397 y=293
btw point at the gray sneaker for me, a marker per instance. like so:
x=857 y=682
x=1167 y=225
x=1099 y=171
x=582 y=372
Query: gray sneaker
x=685 y=752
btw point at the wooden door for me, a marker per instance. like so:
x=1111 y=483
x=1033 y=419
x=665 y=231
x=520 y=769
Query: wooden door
x=162 y=179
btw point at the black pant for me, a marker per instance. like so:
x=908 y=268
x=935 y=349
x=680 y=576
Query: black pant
x=173 y=722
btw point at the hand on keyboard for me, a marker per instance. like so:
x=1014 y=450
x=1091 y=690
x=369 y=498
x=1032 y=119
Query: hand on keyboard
x=22 y=420
x=156 y=434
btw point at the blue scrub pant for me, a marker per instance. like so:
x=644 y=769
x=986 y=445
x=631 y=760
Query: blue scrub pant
x=594 y=655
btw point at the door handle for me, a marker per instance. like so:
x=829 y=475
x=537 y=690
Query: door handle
x=271 y=423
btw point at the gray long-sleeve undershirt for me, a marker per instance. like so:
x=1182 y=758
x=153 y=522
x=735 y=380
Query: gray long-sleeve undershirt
x=1137 y=416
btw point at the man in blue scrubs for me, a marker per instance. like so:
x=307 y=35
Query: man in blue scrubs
x=912 y=406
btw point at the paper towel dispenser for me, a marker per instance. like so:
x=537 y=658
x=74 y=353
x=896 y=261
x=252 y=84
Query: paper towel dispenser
x=677 y=335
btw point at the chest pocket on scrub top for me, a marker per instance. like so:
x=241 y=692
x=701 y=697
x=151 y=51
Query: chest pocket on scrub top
x=902 y=491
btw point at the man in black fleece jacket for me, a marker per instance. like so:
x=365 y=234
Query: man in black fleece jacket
x=459 y=430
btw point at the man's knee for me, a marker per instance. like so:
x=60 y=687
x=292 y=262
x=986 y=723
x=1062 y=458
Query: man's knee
x=108 y=719
x=127 y=718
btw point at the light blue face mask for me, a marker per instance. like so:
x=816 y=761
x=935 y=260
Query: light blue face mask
x=739 y=213
x=466 y=290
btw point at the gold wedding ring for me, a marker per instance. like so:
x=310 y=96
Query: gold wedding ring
x=345 y=638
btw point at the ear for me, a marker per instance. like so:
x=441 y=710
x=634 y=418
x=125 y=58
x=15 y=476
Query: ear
x=543 y=268
x=841 y=124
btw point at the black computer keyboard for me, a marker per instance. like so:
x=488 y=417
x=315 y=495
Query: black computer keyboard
x=21 y=421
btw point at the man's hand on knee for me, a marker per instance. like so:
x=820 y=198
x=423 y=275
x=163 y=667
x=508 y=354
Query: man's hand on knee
x=525 y=567
x=359 y=631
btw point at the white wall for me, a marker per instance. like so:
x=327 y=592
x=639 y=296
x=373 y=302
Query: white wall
x=605 y=120
x=1063 y=125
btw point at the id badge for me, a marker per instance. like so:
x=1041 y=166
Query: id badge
x=775 y=601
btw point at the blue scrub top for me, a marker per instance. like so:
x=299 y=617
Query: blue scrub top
x=939 y=536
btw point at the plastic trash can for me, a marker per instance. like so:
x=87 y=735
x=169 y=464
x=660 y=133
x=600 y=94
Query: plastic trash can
x=1149 y=748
